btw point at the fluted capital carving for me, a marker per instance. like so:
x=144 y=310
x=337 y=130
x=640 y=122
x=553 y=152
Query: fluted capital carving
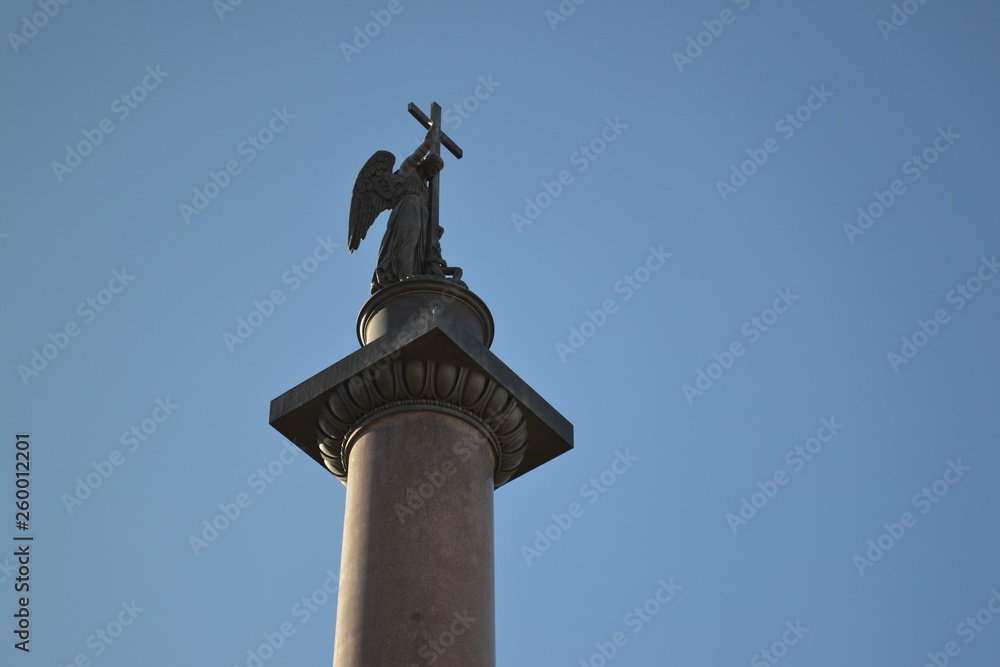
x=421 y=385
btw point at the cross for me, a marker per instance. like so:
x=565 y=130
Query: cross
x=434 y=120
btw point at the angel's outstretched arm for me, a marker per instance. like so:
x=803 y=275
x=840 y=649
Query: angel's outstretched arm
x=432 y=137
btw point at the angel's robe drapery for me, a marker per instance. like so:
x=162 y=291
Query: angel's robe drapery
x=403 y=252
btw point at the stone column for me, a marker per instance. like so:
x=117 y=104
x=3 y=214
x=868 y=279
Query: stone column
x=422 y=424
x=416 y=583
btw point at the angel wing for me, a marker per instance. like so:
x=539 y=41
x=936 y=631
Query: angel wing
x=372 y=195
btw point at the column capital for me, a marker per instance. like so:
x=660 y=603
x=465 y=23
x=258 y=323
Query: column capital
x=402 y=386
x=437 y=358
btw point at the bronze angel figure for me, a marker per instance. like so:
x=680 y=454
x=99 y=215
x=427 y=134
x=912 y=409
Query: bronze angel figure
x=410 y=247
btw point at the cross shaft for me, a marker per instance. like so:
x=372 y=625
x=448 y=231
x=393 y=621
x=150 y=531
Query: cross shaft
x=435 y=185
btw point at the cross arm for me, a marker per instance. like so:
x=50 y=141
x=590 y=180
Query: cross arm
x=426 y=122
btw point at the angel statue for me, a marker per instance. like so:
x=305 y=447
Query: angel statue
x=410 y=247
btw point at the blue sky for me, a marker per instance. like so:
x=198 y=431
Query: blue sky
x=747 y=248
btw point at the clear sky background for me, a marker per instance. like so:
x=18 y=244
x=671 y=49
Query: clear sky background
x=745 y=158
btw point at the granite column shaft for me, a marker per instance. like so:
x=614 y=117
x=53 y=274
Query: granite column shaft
x=417 y=581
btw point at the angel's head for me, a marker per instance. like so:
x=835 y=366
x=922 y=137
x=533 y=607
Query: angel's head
x=430 y=166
